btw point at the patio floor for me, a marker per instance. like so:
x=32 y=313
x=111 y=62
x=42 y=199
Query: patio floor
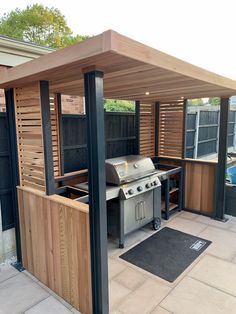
x=207 y=286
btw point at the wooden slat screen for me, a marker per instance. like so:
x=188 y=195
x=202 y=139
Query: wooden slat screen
x=147 y=130
x=55 y=137
x=29 y=136
x=171 y=130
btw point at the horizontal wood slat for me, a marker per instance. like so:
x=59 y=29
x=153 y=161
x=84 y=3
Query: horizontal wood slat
x=171 y=131
x=55 y=136
x=29 y=136
x=147 y=130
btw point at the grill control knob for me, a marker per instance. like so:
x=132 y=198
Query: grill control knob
x=155 y=182
x=139 y=188
x=148 y=185
x=131 y=192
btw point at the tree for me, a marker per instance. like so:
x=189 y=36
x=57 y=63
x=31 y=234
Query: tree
x=195 y=102
x=40 y=25
x=214 y=101
x=119 y=105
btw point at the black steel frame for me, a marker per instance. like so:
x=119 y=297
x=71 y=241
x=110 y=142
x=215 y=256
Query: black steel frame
x=59 y=112
x=222 y=160
x=137 y=125
x=157 y=114
x=47 y=137
x=184 y=128
x=9 y=94
x=93 y=83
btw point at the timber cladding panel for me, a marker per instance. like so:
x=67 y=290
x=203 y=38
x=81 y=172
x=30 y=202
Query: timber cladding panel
x=55 y=245
x=55 y=136
x=171 y=129
x=30 y=136
x=200 y=186
x=147 y=130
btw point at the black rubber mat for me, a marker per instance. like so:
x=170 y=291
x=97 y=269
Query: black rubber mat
x=167 y=253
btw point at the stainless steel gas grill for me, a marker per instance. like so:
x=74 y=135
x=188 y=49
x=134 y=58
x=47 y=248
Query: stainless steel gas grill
x=139 y=200
x=133 y=195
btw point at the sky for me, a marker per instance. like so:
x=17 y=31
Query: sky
x=202 y=32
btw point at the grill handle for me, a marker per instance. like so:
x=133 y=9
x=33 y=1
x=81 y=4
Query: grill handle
x=137 y=211
x=140 y=211
x=143 y=210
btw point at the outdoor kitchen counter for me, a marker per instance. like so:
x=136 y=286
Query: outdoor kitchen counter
x=111 y=191
x=55 y=241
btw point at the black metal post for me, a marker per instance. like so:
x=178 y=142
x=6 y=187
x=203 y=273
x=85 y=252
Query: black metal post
x=167 y=198
x=137 y=126
x=14 y=170
x=222 y=160
x=157 y=114
x=184 y=129
x=47 y=137
x=93 y=82
x=60 y=121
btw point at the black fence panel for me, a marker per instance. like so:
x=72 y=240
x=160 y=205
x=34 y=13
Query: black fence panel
x=208 y=117
x=231 y=128
x=119 y=134
x=208 y=133
x=190 y=136
x=5 y=176
x=203 y=132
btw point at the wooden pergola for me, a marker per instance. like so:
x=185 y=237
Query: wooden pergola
x=60 y=237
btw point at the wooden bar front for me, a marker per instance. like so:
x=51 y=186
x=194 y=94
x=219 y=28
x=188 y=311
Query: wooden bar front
x=55 y=244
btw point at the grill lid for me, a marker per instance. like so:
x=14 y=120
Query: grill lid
x=128 y=168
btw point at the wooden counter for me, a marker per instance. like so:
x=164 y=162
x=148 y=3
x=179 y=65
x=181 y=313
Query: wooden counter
x=55 y=244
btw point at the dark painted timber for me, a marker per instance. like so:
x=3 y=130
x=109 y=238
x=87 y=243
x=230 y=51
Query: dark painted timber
x=184 y=128
x=157 y=114
x=47 y=137
x=58 y=96
x=14 y=171
x=137 y=126
x=93 y=83
x=222 y=160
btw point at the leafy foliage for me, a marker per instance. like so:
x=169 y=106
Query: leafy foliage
x=119 y=105
x=195 y=102
x=214 y=101
x=40 y=25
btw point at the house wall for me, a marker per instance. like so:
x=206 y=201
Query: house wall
x=7 y=242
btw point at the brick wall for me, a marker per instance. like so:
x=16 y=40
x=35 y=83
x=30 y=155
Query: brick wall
x=72 y=104
x=2 y=101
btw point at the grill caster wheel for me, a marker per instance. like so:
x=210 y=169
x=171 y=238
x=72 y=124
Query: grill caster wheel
x=121 y=246
x=156 y=223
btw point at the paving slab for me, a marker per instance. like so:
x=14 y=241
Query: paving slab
x=115 y=267
x=145 y=298
x=216 y=273
x=117 y=293
x=7 y=271
x=160 y=310
x=193 y=297
x=19 y=293
x=130 y=278
x=49 y=306
x=186 y=225
x=223 y=242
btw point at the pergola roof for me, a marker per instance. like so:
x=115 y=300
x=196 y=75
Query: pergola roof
x=130 y=70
